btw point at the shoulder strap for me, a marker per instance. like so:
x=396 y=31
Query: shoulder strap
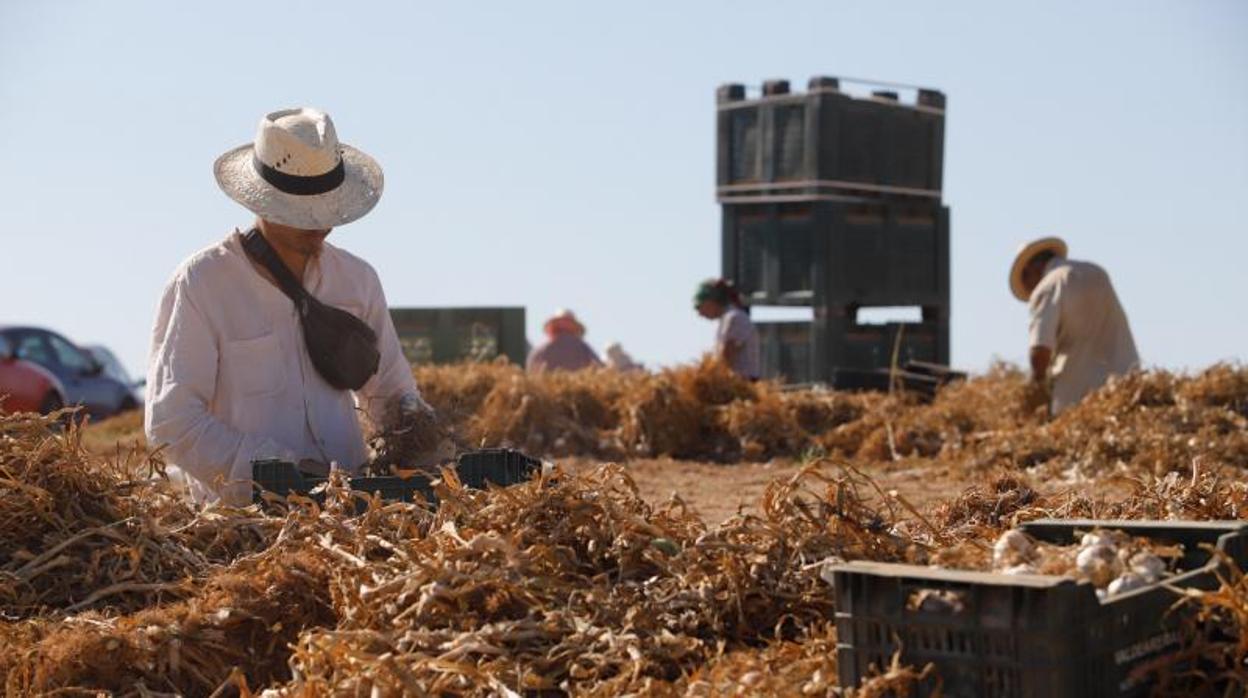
x=262 y=253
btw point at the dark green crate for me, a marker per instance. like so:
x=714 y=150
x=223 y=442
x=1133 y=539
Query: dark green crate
x=499 y=466
x=475 y=469
x=453 y=334
x=824 y=252
x=1026 y=636
x=836 y=350
x=784 y=143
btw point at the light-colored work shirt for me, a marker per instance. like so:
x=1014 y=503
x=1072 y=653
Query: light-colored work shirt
x=566 y=352
x=1076 y=314
x=619 y=360
x=735 y=327
x=230 y=380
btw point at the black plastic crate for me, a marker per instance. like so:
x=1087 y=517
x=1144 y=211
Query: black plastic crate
x=870 y=346
x=882 y=379
x=818 y=252
x=833 y=349
x=500 y=466
x=781 y=144
x=448 y=335
x=1030 y=636
x=283 y=478
x=785 y=351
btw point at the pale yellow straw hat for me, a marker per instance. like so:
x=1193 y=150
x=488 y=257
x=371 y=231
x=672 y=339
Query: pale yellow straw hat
x=1028 y=250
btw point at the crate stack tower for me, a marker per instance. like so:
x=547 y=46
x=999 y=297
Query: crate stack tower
x=833 y=202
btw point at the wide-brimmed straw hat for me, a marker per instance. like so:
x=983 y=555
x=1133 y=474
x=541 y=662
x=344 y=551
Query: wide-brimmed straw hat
x=296 y=173
x=1025 y=254
x=564 y=319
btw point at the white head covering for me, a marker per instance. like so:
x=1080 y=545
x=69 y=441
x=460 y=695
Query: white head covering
x=296 y=173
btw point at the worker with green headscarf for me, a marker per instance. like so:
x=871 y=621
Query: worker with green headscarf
x=736 y=340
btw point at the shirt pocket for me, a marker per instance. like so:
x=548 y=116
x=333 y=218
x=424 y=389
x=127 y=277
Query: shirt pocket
x=254 y=367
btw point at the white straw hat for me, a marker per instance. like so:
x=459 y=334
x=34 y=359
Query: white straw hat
x=298 y=174
x=1025 y=254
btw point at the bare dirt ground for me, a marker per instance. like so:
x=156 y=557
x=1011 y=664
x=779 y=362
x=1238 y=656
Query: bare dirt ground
x=717 y=491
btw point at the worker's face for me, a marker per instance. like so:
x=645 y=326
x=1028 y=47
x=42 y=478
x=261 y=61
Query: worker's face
x=308 y=243
x=1033 y=272
x=710 y=310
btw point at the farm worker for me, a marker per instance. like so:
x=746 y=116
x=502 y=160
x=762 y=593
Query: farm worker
x=1079 y=332
x=619 y=360
x=239 y=370
x=565 y=348
x=736 y=340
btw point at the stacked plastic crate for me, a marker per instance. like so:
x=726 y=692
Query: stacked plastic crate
x=833 y=202
x=448 y=335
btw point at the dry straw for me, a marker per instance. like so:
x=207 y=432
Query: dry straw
x=572 y=583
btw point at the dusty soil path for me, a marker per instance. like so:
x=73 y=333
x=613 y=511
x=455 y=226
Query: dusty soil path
x=717 y=491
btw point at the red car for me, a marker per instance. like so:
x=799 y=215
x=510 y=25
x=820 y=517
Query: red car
x=27 y=386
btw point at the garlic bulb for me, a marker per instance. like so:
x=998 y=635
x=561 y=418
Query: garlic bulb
x=1097 y=563
x=1012 y=548
x=1148 y=566
x=1020 y=569
x=1096 y=538
x=1125 y=583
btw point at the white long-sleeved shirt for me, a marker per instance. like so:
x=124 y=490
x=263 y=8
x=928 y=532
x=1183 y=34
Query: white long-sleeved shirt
x=230 y=380
x=1076 y=314
x=735 y=327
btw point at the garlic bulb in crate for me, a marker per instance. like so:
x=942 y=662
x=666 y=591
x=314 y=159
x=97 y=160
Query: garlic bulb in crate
x=1147 y=566
x=1024 y=568
x=1011 y=549
x=1098 y=564
x=1127 y=582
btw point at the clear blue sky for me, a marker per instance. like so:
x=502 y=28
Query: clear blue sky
x=548 y=154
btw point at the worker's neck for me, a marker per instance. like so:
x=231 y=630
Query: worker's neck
x=293 y=246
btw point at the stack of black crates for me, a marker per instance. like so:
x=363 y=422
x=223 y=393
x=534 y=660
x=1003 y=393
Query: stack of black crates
x=833 y=202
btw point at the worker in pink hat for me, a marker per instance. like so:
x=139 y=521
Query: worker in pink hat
x=565 y=348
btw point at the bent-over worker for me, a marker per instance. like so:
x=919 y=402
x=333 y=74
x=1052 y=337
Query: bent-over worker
x=565 y=348
x=620 y=360
x=736 y=339
x=266 y=343
x=1079 y=335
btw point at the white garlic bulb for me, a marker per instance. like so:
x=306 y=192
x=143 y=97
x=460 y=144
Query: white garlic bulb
x=1012 y=548
x=1096 y=538
x=1148 y=566
x=1097 y=564
x=1125 y=583
x=1024 y=568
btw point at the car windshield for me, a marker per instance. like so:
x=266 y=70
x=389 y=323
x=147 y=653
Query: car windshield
x=31 y=347
x=112 y=367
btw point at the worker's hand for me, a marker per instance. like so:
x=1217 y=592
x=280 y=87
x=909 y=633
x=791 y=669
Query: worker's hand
x=315 y=468
x=1035 y=396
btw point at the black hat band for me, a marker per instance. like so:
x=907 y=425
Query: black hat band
x=298 y=185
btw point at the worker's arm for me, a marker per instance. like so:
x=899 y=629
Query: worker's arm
x=729 y=350
x=1045 y=311
x=1040 y=359
x=181 y=382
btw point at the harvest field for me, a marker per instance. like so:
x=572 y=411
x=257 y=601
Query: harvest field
x=678 y=549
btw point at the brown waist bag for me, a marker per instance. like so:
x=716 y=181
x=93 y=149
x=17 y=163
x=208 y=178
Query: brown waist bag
x=342 y=347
